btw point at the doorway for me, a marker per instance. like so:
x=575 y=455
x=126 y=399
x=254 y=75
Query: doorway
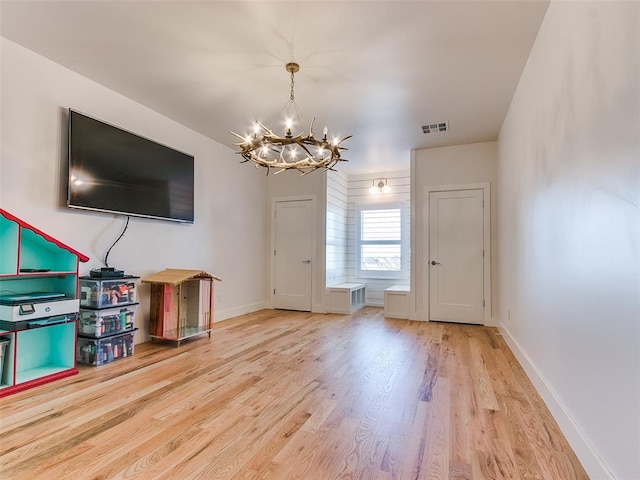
x=292 y=254
x=458 y=267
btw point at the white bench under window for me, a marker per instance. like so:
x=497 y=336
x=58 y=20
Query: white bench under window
x=396 y=301
x=345 y=297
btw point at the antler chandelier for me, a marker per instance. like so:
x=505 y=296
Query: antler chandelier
x=301 y=152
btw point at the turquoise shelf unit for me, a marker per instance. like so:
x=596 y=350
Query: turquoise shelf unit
x=33 y=261
x=35 y=362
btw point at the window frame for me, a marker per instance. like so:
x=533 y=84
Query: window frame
x=380 y=274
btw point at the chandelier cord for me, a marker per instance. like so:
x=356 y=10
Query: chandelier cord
x=292 y=96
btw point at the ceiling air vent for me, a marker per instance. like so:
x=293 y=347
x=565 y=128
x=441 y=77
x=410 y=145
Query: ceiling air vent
x=436 y=127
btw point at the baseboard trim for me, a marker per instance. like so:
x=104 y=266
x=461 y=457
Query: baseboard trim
x=221 y=315
x=582 y=446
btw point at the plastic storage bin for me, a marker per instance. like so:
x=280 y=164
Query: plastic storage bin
x=99 y=351
x=107 y=292
x=100 y=323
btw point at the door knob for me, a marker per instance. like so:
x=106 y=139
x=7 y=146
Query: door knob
x=433 y=262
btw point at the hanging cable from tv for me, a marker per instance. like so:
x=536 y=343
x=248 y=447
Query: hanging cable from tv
x=106 y=256
x=108 y=271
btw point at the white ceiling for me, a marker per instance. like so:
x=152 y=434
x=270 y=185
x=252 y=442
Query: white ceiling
x=378 y=70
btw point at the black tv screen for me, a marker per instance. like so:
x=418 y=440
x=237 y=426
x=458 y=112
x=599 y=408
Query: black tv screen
x=112 y=170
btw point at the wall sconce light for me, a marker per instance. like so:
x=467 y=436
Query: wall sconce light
x=382 y=186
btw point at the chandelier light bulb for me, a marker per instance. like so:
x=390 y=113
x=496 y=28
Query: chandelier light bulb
x=289 y=124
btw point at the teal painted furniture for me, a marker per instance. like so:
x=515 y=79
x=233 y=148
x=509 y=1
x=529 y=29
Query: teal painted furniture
x=32 y=261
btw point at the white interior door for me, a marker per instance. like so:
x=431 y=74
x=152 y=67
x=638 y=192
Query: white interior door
x=456 y=256
x=292 y=253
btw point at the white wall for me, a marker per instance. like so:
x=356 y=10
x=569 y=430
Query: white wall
x=358 y=194
x=569 y=237
x=230 y=212
x=336 y=241
x=458 y=165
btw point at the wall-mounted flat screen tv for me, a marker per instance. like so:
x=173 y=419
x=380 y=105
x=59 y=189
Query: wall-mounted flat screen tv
x=112 y=170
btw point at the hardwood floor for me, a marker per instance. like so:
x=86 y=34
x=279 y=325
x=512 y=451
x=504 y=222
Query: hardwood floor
x=291 y=395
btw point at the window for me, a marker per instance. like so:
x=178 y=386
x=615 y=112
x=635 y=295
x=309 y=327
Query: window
x=380 y=241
